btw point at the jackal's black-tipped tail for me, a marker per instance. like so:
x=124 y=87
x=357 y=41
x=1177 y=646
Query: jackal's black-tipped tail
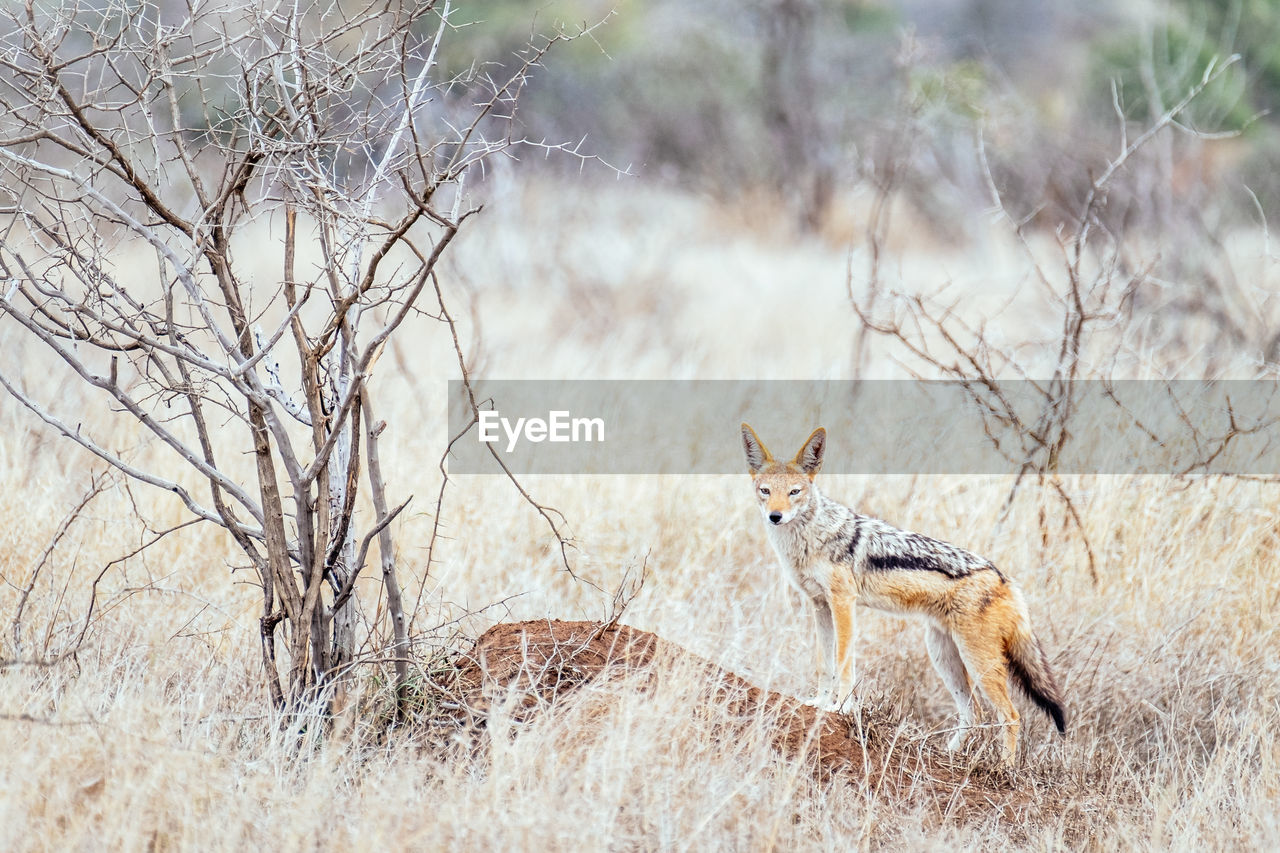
x=1030 y=671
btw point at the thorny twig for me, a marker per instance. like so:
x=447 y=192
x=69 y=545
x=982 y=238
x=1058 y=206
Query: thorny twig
x=545 y=511
x=626 y=592
x=968 y=356
x=97 y=484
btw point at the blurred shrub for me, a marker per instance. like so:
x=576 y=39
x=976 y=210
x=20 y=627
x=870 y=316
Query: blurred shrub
x=1153 y=71
x=718 y=95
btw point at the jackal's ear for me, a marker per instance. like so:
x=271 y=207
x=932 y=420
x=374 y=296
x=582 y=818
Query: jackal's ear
x=757 y=454
x=810 y=456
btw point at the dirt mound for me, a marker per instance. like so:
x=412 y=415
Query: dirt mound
x=544 y=661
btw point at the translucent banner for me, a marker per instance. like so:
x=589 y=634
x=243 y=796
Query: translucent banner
x=873 y=427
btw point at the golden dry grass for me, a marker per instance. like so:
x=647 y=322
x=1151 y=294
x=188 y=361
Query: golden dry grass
x=157 y=734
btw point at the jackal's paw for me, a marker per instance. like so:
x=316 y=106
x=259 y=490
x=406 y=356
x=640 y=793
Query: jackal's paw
x=821 y=701
x=843 y=703
x=956 y=743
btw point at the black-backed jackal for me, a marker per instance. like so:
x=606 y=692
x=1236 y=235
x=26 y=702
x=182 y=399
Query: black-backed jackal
x=978 y=631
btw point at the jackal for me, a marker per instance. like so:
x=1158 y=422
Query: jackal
x=978 y=630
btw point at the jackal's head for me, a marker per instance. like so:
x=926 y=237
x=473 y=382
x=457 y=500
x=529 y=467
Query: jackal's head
x=783 y=488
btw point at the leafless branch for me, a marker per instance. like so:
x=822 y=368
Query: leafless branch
x=97 y=483
x=934 y=334
x=546 y=512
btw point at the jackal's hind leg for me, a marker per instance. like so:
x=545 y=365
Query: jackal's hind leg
x=946 y=660
x=983 y=653
x=995 y=686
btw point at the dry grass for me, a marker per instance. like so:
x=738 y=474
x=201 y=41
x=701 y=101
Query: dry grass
x=156 y=735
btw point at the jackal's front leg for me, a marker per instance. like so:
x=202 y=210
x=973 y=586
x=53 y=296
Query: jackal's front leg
x=842 y=611
x=826 y=654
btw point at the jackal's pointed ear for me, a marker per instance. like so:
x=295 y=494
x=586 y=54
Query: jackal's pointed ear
x=810 y=456
x=757 y=454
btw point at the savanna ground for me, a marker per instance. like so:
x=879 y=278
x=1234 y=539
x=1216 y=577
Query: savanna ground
x=158 y=734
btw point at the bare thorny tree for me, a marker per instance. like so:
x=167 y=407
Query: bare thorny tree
x=213 y=139
x=1095 y=296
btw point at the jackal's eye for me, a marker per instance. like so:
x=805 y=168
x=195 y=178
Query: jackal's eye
x=764 y=490
x=795 y=491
